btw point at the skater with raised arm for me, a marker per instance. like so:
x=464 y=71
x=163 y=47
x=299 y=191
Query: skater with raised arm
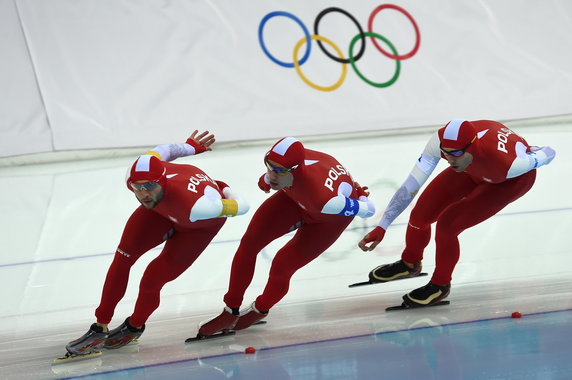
x=180 y=205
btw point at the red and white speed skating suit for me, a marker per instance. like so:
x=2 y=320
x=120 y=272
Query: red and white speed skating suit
x=503 y=169
x=319 y=205
x=186 y=219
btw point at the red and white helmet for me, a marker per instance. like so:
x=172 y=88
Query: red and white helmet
x=457 y=134
x=288 y=152
x=146 y=169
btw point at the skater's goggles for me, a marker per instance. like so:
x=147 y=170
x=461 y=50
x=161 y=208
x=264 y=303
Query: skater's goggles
x=278 y=170
x=147 y=186
x=456 y=152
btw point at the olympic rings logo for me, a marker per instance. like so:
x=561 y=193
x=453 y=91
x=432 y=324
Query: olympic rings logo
x=361 y=36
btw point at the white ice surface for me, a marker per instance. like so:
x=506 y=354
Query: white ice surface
x=61 y=223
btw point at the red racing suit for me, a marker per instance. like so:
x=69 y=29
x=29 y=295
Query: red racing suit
x=186 y=219
x=503 y=169
x=318 y=206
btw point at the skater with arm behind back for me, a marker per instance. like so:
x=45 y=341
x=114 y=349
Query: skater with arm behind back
x=179 y=205
x=489 y=167
x=316 y=197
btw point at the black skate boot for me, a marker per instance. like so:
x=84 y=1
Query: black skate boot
x=123 y=335
x=428 y=295
x=89 y=343
x=395 y=271
x=249 y=317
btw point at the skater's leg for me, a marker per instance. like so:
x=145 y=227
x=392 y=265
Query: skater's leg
x=448 y=187
x=144 y=230
x=277 y=216
x=179 y=253
x=309 y=242
x=485 y=201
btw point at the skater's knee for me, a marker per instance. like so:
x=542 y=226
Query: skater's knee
x=419 y=218
x=251 y=242
x=416 y=226
x=126 y=257
x=448 y=226
x=418 y=222
x=281 y=271
x=152 y=284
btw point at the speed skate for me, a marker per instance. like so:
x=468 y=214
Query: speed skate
x=69 y=357
x=405 y=306
x=355 y=285
x=219 y=334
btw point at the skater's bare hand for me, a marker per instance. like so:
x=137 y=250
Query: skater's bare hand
x=374 y=237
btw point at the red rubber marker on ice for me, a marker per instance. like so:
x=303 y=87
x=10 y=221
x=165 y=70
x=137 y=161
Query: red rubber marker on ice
x=249 y=350
x=516 y=314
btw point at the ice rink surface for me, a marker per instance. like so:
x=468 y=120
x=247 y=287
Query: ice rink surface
x=61 y=223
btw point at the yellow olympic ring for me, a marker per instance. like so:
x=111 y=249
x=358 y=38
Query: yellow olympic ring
x=306 y=80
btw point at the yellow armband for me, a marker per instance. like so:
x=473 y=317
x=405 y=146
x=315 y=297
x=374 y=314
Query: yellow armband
x=229 y=207
x=156 y=154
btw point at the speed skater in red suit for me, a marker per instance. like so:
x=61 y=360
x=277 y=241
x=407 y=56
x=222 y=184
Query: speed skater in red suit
x=316 y=197
x=182 y=206
x=490 y=166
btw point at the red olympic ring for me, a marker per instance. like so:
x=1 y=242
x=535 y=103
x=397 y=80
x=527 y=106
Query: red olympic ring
x=417 y=34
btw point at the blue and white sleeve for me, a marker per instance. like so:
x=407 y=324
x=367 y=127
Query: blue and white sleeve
x=423 y=168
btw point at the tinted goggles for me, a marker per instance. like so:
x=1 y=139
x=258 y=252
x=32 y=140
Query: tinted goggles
x=277 y=170
x=456 y=152
x=147 y=186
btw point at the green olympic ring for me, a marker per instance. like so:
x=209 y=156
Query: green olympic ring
x=393 y=50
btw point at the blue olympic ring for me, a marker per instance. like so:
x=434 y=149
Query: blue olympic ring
x=299 y=22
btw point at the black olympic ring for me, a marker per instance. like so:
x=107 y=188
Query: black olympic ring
x=361 y=33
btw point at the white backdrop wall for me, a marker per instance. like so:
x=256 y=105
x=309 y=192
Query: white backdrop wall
x=123 y=73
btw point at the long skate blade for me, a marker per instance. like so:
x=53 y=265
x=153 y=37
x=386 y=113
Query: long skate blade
x=404 y=306
x=383 y=282
x=67 y=358
x=213 y=336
